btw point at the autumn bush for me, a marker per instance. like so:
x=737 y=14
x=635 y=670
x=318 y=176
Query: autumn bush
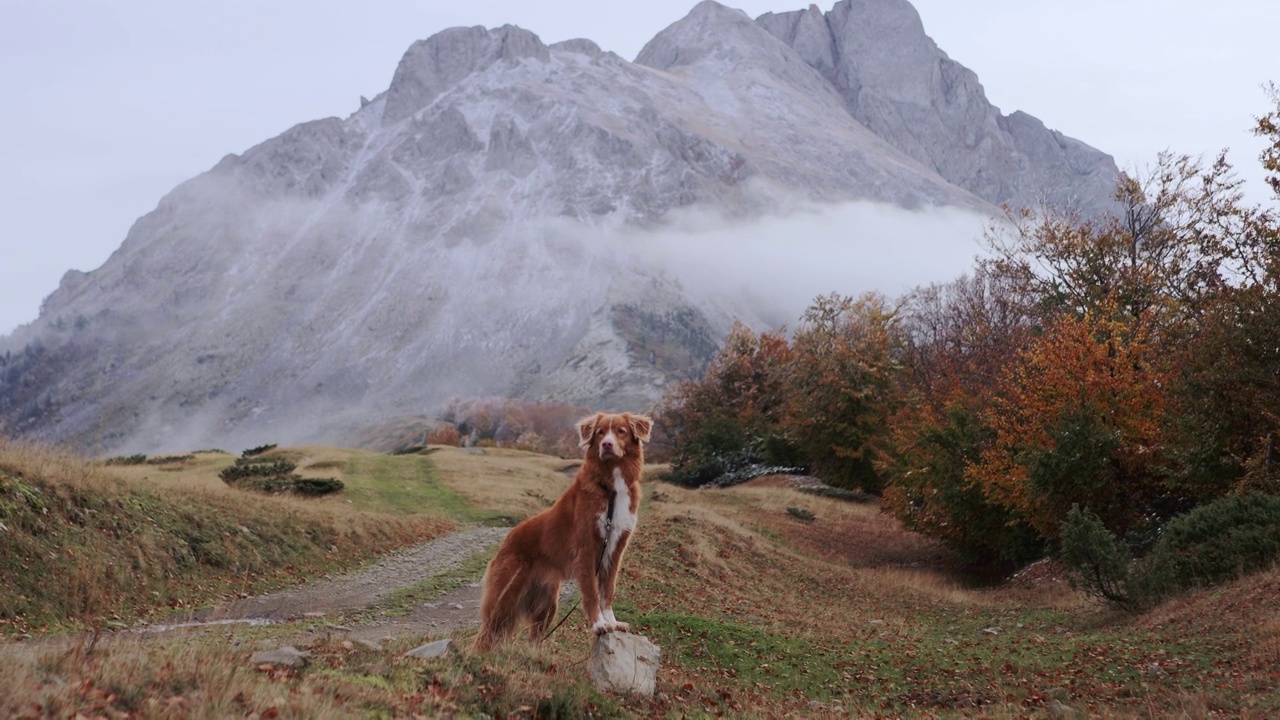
x=509 y=422
x=819 y=402
x=1078 y=419
x=841 y=388
x=930 y=493
x=730 y=419
x=960 y=338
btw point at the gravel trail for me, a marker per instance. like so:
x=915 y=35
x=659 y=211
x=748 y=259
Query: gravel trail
x=369 y=587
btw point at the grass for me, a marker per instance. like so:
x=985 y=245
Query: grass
x=407 y=484
x=93 y=544
x=758 y=614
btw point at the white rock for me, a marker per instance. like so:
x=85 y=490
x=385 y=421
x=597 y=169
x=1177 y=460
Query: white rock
x=625 y=663
x=287 y=656
x=435 y=649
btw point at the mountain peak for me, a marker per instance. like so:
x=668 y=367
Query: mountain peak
x=432 y=66
x=894 y=80
x=709 y=27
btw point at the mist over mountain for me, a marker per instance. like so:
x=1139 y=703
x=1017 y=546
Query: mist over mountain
x=549 y=222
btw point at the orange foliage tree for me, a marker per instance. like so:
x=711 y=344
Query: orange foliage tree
x=1079 y=419
x=731 y=417
x=841 y=388
x=960 y=337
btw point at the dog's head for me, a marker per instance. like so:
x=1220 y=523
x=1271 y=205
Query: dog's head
x=613 y=437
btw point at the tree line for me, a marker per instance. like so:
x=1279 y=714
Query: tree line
x=1120 y=370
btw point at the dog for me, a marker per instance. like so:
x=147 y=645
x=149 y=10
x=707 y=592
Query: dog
x=581 y=537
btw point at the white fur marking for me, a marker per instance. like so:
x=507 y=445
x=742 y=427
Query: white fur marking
x=623 y=519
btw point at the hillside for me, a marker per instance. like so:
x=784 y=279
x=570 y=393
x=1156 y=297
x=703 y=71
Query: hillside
x=511 y=218
x=759 y=609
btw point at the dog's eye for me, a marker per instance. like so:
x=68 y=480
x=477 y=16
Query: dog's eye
x=622 y=431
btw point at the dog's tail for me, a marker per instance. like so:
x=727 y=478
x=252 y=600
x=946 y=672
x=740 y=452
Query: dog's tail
x=499 y=602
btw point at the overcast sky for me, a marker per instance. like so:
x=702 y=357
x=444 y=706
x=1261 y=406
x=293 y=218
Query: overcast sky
x=107 y=106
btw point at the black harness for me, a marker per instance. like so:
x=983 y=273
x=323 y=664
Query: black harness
x=608 y=528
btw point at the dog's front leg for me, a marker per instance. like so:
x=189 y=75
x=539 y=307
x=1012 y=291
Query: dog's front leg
x=609 y=584
x=589 y=586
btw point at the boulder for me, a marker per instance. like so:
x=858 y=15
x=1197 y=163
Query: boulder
x=435 y=649
x=625 y=663
x=287 y=656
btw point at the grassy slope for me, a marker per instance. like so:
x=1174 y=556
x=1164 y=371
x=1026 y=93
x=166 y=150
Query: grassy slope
x=85 y=543
x=757 y=611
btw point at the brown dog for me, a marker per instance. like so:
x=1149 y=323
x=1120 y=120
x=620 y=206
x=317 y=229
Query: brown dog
x=578 y=538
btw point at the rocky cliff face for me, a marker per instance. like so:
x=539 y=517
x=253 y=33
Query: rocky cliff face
x=470 y=230
x=895 y=81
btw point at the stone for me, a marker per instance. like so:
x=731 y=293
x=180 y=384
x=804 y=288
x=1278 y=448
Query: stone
x=287 y=656
x=898 y=83
x=625 y=663
x=1059 y=711
x=436 y=649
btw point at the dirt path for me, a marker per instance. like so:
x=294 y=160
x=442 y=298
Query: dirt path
x=332 y=599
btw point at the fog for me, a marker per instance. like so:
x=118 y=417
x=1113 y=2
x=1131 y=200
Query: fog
x=776 y=265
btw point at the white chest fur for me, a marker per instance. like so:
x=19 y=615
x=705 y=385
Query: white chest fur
x=622 y=520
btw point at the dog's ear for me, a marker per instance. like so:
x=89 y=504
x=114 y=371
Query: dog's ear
x=587 y=428
x=641 y=425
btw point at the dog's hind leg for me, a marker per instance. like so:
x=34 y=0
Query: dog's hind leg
x=500 y=606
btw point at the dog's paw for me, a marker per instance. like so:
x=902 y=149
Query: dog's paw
x=603 y=626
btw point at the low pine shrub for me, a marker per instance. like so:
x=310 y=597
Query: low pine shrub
x=800 y=513
x=255 y=451
x=1214 y=543
x=234 y=473
x=275 y=476
x=316 y=486
x=126 y=460
x=1100 y=562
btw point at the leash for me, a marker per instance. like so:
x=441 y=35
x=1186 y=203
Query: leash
x=608 y=530
x=566 y=617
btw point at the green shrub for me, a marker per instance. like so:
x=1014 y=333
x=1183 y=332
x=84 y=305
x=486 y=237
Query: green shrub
x=800 y=513
x=1099 y=561
x=170 y=459
x=255 y=451
x=240 y=471
x=1212 y=544
x=316 y=486
x=126 y=460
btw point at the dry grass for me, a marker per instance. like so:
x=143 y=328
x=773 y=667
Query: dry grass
x=511 y=482
x=758 y=613
x=90 y=544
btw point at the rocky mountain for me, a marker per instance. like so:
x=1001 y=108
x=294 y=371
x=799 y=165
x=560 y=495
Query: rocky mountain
x=472 y=230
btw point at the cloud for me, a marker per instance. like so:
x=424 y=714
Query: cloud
x=778 y=264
